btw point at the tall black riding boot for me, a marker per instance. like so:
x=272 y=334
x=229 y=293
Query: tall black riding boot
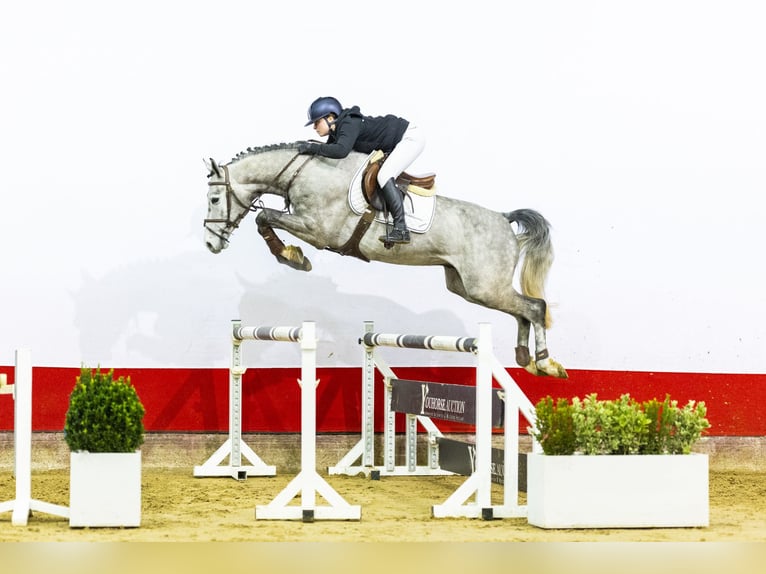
x=392 y=197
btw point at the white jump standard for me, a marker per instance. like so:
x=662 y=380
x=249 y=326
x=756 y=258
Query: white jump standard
x=234 y=447
x=23 y=505
x=307 y=483
x=479 y=482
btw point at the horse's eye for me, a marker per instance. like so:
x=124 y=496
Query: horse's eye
x=215 y=200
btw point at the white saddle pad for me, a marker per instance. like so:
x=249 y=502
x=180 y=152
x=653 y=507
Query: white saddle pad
x=418 y=210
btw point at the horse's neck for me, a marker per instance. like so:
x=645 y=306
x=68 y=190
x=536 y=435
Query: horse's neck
x=277 y=170
x=261 y=170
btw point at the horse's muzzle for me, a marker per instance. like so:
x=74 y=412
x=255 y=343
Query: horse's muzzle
x=216 y=248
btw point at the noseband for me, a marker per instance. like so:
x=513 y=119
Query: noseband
x=231 y=224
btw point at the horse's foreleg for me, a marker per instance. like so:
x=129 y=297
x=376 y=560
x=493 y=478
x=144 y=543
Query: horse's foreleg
x=290 y=255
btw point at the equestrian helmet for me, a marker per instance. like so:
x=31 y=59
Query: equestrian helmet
x=322 y=107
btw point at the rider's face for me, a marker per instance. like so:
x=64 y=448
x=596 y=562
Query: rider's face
x=322 y=126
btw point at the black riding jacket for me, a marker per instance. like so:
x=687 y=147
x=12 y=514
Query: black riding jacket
x=354 y=131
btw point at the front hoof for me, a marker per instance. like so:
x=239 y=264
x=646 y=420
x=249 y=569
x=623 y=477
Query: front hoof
x=304 y=265
x=292 y=256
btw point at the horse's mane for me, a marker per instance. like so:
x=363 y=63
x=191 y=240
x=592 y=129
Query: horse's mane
x=270 y=147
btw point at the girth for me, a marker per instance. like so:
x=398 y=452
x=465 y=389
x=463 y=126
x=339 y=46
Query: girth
x=351 y=247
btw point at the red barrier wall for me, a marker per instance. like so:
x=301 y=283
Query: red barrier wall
x=196 y=400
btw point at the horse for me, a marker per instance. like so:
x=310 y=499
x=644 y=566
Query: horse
x=477 y=247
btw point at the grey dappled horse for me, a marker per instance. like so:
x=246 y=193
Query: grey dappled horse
x=477 y=247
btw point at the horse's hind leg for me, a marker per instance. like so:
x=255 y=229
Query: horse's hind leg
x=541 y=364
x=456 y=285
x=528 y=311
x=522 y=342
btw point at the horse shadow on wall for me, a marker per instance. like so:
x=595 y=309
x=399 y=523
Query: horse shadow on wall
x=164 y=312
x=293 y=297
x=177 y=312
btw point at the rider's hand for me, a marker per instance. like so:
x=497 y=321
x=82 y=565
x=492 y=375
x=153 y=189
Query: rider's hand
x=308 y=148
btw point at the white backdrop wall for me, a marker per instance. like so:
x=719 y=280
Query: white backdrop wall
x=637 y=128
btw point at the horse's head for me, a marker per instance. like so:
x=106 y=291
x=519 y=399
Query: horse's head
x=225 y=209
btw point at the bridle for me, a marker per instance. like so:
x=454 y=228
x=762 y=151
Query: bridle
x=231 y=224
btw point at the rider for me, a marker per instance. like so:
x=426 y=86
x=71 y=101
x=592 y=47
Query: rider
x=349 y=130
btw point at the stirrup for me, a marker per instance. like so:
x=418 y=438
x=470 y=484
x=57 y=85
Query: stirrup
x=395 y=237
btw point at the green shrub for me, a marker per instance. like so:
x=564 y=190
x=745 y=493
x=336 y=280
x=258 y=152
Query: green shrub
x=555 y=426
x=625 y=426
x=660 y=426
x=689 y=423
x=622 y=426
x=589 y=417
x=104 y=415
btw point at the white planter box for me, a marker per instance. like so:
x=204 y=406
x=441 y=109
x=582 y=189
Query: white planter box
x=105 y=489
x=617 y=491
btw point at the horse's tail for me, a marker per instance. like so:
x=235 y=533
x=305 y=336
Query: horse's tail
x=536 y=251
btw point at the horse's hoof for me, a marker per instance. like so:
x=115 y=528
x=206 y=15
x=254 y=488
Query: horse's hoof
x=532 y=368
x=292 y=256
x=552 y=368
x=304 y=265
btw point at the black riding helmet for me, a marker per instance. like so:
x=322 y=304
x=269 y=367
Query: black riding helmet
x=323 y=107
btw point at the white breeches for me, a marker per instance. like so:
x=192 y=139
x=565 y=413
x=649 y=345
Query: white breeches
x=405 y=152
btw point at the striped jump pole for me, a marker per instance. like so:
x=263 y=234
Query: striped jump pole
x=23 y=505
x=427 y=342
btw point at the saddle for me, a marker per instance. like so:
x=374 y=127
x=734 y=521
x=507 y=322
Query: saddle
x=364 y=186
x=424 y=185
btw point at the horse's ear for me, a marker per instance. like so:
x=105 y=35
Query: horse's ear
x=212 y=166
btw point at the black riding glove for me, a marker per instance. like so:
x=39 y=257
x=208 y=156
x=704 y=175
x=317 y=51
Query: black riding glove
x=308 y=148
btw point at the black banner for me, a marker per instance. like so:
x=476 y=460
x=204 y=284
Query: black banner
x=456 y=403
x=458 y=457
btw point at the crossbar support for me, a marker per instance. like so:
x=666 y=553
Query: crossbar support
x=308 y=483
x=478 y=484
x=234 y=448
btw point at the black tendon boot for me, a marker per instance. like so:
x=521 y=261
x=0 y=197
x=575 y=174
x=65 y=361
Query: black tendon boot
x=392 y=197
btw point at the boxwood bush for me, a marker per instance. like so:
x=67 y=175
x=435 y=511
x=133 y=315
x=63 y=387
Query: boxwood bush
x=104 y=414
x=621 y=426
